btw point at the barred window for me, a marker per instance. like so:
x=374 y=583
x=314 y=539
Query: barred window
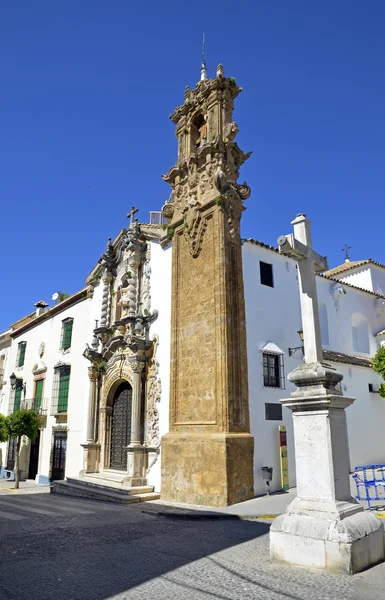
x=66 y=334
x=21 y=354
x=60 y=389
x=273 y=372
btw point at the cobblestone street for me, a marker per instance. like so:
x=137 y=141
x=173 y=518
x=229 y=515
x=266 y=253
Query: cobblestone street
x=74 y=549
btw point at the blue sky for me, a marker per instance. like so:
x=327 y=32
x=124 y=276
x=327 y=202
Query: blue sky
x=86 y=90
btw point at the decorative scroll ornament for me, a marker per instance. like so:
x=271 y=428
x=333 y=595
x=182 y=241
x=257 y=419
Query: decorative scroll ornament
x=168 y=210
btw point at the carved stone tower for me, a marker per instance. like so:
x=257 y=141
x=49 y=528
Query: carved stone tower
x=207 y=457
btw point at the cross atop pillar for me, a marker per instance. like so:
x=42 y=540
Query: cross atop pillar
x=131 y=215
x=299 y=247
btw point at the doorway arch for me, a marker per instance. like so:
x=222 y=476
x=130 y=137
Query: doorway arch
x=120 y=426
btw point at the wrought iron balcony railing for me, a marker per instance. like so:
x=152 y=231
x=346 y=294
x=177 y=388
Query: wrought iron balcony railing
x=37 y=404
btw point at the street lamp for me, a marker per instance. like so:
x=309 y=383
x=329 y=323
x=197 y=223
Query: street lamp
x=294 y=350
x=13 y=379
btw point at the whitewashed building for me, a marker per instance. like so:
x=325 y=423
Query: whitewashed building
x=352 y=319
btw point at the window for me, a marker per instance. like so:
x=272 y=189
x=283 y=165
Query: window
x=273 y=411
x=66 y=334
x=360 y=334
x=156 y=218
x=60 y=389
x=18 y=394
x=273 y=374
x=21 y=354
x=266 y=271
x=38 y=394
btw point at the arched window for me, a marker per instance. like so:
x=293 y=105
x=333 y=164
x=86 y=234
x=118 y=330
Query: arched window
x=198 y=132
x=323 y=318
x=360 y=333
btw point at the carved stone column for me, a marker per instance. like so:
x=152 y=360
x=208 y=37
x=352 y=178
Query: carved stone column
x=91 y=448
x=137 y=368
x=93 y=377
x=136 y=452
x=105 y=314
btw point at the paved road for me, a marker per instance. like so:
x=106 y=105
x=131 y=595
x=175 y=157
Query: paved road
x=56 y=548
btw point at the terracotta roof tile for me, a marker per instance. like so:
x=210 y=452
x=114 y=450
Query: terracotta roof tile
x=352 y=265
x=349 y=359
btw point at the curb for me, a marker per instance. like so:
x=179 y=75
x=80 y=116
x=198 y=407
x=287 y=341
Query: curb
x=207 y=516
x=219 y=516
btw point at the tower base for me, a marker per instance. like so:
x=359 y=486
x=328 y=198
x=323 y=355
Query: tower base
x=207 y=469
x=338 y=537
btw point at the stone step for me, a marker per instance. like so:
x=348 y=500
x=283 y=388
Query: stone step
x=85 y=489
x=114 y=477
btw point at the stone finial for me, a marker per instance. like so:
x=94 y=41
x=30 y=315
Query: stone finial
x=187 y=93
x=220 y=71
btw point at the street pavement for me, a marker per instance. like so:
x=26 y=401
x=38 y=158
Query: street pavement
x=63 y=548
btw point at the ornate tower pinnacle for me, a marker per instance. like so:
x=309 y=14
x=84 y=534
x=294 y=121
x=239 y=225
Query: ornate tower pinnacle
x=208 y=157
x=207 y=458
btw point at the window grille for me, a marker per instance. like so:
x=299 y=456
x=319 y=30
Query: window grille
x=21 y=354
x=60 y=389
x=266 y=273
x=273 y=370
x=66 y=334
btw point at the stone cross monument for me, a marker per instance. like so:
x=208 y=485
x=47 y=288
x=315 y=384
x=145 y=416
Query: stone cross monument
x=207 y=456
x=324 y=527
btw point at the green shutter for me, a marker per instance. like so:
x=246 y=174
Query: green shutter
x=64 y=384
x=18 y=392
x=67 y=334
x=38 y=395
x=22 y=347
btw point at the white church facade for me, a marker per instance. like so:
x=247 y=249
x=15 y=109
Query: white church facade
x=124 y=330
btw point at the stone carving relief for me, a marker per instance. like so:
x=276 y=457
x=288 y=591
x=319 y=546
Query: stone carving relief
x=154 y=389
x=146 y=284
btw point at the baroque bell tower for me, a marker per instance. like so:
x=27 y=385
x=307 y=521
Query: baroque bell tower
x=207 y=456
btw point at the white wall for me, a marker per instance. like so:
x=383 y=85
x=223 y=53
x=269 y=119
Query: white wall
x=161 y=301
x=272 y=315
x=360 y=277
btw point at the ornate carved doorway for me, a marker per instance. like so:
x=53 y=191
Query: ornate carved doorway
x=120 y=426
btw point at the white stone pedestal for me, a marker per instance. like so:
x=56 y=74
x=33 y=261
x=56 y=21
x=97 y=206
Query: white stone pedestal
x=324 y=527
x=136 y=465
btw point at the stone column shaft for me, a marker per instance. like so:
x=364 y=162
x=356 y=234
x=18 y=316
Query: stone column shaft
x=93 y=376
x=136 y=405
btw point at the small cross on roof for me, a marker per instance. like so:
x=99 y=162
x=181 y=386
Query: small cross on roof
x=131 y=215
